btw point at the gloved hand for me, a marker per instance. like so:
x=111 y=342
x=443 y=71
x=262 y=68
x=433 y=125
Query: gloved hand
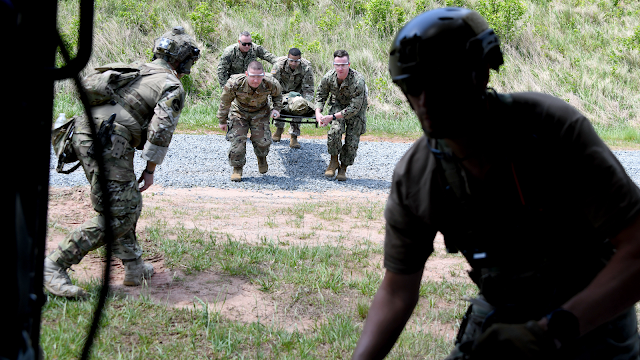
x=514 y=341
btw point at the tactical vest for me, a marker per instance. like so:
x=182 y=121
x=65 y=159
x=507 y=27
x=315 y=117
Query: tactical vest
x=112 y=83
x=541 y=272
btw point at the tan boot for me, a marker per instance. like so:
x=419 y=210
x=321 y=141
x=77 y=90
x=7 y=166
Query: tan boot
x=333 y=165
x=135 y=271
x=263 y=167
x=278 y=134
x=237 y=173
x=294 y=144
x=56 y=281
x=342 y=173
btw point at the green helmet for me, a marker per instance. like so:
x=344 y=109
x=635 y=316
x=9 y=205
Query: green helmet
x=445 y=43
x=177 y=47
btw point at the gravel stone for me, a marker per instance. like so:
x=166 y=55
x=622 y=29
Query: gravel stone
x=201 y=161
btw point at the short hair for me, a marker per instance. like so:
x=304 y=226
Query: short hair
x=295 y=52
x=255 y=65
x=341 y=53
x=244 y=33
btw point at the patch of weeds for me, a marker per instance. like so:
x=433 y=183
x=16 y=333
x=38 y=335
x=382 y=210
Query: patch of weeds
x=368 y=284
x=271 y=223
x=305 y=236
x=362 y=308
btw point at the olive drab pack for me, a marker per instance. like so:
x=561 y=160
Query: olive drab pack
x=61 y=140
x=110 y=84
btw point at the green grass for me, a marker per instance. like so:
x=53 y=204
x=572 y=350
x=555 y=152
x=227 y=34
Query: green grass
x=333 y=283
x=583 y=51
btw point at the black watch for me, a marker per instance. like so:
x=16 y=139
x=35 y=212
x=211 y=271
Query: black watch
x=563 y=326
x=334 y=116
x=149 y=172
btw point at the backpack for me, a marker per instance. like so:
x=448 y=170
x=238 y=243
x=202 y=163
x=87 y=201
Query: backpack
x=102 y=85
x=110 y=84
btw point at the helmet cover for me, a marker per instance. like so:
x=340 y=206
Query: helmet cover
x=177 y=47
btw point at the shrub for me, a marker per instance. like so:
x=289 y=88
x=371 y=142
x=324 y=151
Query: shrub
x=314 y=47
x=384 y=17
x=329 y=20
x=302 y=4
x=70 y=38
x=141 y=15
x=502 y=15
x=203 y=19
x=257 y=38
x=633 y=41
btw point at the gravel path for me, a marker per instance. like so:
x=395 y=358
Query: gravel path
x=201 y=161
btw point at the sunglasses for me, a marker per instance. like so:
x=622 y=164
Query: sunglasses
x=256 y=74
x=340 y=65
x=294 y=60
x=245 y=44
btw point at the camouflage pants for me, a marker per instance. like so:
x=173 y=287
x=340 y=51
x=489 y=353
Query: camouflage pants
x=240 y=122
x=295 y=106
x=354 y=127
x=126 y=204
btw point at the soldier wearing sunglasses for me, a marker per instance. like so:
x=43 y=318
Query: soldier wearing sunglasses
x=235 y=58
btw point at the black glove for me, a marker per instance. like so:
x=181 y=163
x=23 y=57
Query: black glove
x=514 y=342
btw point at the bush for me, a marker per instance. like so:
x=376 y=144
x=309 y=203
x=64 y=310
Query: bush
x=502 y=15
x=633 y=41
x=302 y=4
x=203 y=19
x=257 y=38
x=141 y=15
x=329 y=20
x=384 y=17
x=69 y=38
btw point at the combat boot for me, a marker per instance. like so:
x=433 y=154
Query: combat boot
x=135 y=271
x=333 y=165
x=263 y=167
x=56 y=281
x=278 y=134
x=237 y=173
x=342 y=173
x=294 y=144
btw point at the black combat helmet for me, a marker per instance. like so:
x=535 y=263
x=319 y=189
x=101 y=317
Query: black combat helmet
x=177 y=47
x=445 y=43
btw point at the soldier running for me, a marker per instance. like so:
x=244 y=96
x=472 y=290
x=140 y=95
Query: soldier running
x=245 y=101
x=147 y=110
x=347 y=113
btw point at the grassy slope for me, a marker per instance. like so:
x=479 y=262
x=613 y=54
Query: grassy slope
x=576 y=50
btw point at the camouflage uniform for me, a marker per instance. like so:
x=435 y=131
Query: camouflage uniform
x=248 y=108
x=159 y=98
x=350 y=99
x=300 y=81
x=233 y=61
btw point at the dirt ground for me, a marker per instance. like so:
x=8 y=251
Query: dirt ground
x=246 y=215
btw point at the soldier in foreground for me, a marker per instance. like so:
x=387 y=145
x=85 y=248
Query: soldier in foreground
x=522 y=186
x=245 y=102
x=146 y=111
x=296 y=78
x=235 y=58
x=348 y=112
